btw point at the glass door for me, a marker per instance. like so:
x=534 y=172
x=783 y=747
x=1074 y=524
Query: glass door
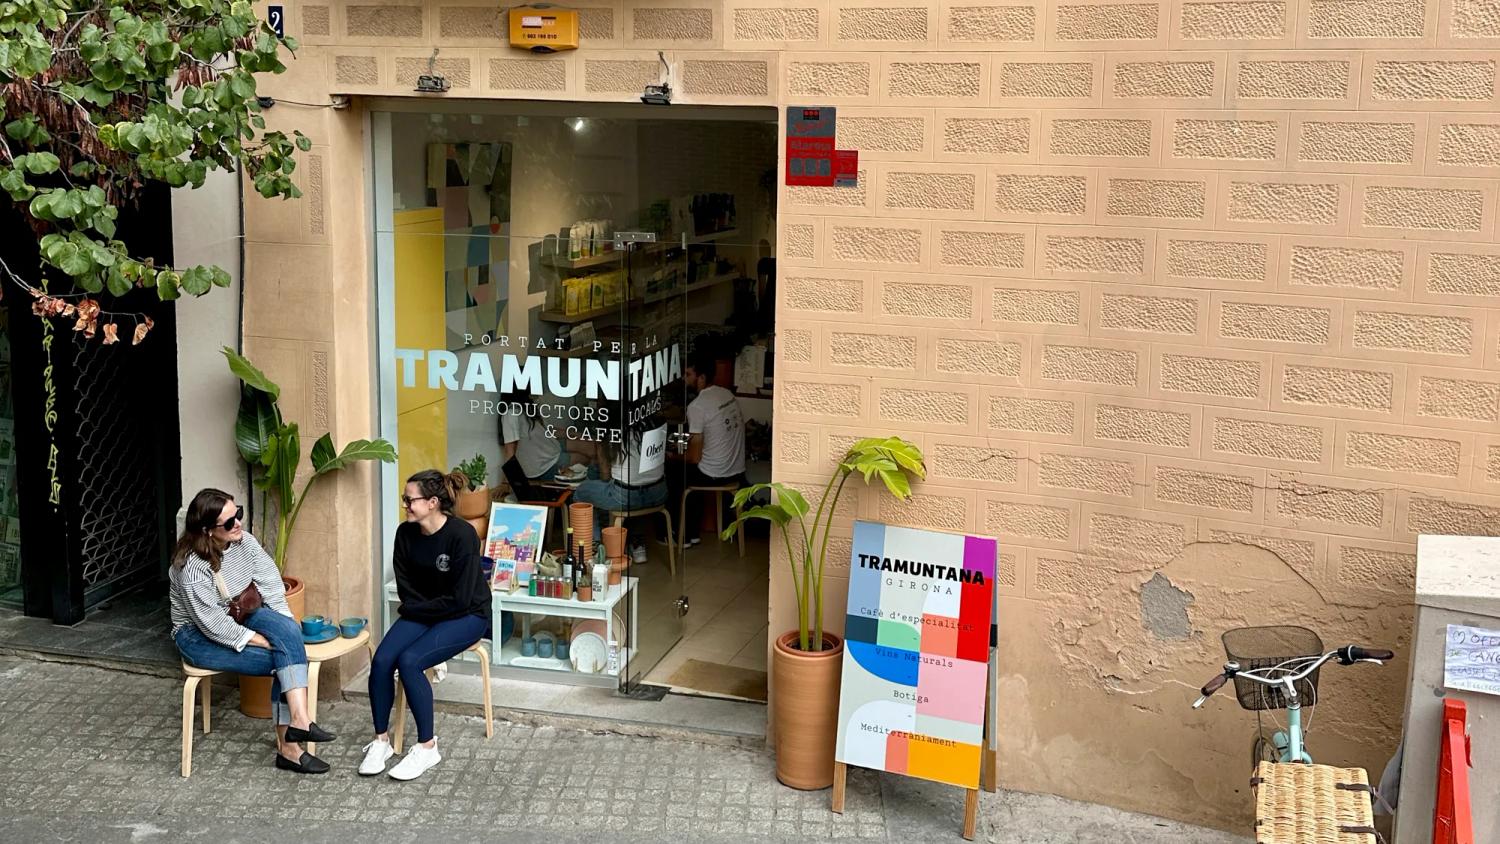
x=645 y=448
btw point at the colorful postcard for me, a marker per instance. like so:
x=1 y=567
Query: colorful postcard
x=514 y=542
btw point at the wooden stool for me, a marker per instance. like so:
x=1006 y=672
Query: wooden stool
x=202 y=679
x=618 y=517
x=489 y=712
x=719 y=492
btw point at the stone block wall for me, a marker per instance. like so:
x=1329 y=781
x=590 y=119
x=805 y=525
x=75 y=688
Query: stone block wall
x=1193 y=303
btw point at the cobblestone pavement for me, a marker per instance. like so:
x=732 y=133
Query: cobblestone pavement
x=91 y=755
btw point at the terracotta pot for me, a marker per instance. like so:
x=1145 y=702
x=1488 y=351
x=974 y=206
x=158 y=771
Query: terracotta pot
x=614 y=542
x=255 y=692
x=805 y=705
x=617 y=567
x=586 y=593
x=479 y=526
x=474 y=504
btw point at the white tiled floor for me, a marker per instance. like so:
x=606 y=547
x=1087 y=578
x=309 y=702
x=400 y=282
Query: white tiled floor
x=727 y=598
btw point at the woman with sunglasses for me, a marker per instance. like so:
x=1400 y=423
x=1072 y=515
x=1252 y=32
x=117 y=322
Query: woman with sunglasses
x=445 y=609
x=214 y=561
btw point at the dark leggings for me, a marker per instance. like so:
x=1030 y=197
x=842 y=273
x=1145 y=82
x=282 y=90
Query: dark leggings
x=413 y=648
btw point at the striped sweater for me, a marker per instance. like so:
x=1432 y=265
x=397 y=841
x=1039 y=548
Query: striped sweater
x=196 y=600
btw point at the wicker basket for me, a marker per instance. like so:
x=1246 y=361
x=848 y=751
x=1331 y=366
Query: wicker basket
x=1267 y=647
x=1312 y=804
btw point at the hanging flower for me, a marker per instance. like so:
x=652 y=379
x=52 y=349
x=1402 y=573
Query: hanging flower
x=141 y=329
x=111 y=334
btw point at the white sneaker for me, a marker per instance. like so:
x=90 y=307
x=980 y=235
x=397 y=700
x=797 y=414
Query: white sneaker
x=416 y=762
x=638 y=555
x=377 y=753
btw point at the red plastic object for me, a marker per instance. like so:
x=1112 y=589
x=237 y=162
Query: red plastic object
x=1453 y=819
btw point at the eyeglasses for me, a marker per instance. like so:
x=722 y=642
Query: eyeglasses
x=229 y=523
x=406 y=500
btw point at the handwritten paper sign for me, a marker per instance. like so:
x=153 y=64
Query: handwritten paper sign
x=1472 y=661
x=916 y=653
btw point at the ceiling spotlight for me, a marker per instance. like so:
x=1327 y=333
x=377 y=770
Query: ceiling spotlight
x=432 y=83
x=577 y=124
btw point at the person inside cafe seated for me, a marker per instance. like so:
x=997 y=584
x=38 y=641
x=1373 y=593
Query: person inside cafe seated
x=716 y=442
x=628 y=479
x=218 y=571
x=523 y=435
x=445 y=609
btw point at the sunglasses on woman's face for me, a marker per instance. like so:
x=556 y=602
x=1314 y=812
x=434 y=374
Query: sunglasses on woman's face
x=229 y=523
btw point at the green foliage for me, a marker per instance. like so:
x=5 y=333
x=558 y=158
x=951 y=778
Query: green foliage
x=476 y=469
x=90 y=116
x=894 y=460
x=274 y=448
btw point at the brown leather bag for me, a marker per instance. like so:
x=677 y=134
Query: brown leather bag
x=241 y=606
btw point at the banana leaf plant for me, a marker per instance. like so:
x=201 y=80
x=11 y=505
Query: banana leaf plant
x=894 y=460
x=273 y=448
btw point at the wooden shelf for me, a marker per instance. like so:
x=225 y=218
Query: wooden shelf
x=651 y=298
x=561 y=263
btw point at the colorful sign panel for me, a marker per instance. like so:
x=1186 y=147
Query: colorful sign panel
x=916 y=652
x=810 y=135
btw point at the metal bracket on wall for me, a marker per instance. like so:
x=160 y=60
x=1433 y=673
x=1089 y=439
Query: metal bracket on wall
x=628 y=240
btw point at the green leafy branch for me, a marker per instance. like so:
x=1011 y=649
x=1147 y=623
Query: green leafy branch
x=90 y=117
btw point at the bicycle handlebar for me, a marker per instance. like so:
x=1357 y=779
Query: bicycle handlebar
x=1347 y=655
x=1354 y=653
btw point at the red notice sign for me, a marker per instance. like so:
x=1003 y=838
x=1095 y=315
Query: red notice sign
x=846 y=168
x=809 y=146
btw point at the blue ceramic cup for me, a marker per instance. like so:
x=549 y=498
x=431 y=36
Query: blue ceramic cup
x=544 y=649
x=313 y=625
x=528 y=646
x=562 y=649
x=350 y=627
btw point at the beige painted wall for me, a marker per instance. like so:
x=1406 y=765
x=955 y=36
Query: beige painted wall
x=1193 y=304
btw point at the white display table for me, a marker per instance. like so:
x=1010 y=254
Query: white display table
x=506 y=657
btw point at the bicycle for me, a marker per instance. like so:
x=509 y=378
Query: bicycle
x=1293 y=795
x=1270 y=682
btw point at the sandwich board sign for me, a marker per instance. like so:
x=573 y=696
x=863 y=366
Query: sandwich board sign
x=916 y=669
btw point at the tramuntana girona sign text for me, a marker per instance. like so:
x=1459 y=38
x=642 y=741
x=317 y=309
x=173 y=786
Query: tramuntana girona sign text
x=605 y=387
x=916 y=654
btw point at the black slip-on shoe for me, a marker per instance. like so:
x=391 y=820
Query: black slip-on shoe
x=313 y=733
x=308 y=764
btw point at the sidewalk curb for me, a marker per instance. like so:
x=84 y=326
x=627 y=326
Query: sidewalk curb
x=590 y=724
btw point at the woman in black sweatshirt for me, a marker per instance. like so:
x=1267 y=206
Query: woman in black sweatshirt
x=445 y=609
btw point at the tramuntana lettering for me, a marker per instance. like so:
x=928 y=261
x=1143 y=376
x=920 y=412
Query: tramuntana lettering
x=542 y=376
x=920 y=569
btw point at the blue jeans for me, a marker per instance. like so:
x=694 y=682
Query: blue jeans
x=413 y=647
x=609 y=496
x=285 y=660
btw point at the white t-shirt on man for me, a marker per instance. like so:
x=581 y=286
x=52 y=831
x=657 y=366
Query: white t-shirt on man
x=715 y=414
x=536 y=451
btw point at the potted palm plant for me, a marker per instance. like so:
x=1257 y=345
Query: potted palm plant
x=806 y=662
x=273 y=448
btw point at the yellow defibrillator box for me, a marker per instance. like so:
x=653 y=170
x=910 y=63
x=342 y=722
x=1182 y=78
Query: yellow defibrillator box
x=542 y=29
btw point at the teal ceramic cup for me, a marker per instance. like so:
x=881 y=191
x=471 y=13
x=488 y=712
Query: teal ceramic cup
x=313 y=625
x=350 y=627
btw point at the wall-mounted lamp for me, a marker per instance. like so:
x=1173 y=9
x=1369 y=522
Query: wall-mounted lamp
x=432 y=83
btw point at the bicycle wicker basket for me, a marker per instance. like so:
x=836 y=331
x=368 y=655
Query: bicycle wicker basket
x=1312 y=804
x=1266 y=647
